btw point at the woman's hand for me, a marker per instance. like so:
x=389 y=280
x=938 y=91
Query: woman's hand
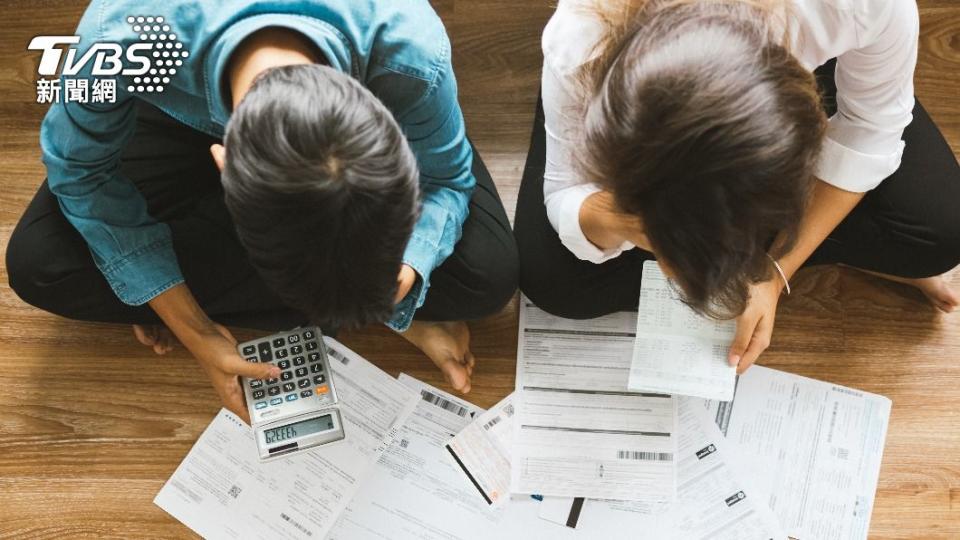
x=607 y=226
x=755 y=324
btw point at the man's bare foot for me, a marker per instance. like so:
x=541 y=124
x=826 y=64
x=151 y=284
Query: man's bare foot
x=936 y=288
x=448 y=345
x=155 y=336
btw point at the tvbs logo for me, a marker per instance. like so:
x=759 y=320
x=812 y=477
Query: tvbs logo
x=149 y=63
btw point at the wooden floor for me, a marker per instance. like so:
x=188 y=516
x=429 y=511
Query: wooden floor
x=92 y=424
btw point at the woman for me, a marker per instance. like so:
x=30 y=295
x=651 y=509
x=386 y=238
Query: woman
x=693 y=131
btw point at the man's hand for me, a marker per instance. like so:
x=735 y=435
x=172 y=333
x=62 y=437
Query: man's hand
x=755 y=324
x=211 y=344
x=216 y=350
x=405 y=282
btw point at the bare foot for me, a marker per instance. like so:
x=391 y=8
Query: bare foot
x=936 y=288
x=157 y=337
x=448 y=345
x=939 y=291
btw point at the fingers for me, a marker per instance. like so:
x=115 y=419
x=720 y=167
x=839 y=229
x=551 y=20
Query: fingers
x=758 y=344
x=746 y=325
x=253 y=370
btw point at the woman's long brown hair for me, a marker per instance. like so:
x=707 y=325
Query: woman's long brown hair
x=700 y=121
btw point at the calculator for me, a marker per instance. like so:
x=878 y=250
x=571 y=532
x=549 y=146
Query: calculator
x=299 y=409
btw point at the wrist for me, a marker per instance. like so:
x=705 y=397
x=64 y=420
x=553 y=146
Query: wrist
x=181 y=313
x=780 y=277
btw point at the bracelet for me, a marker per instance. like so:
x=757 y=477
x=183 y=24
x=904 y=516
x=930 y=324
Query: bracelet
x=783 y=276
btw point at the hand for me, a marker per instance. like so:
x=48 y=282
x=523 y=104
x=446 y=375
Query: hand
x=607 y=226
x=405 y=281
x=755 y=324
x=216 y=350
x=211 y=344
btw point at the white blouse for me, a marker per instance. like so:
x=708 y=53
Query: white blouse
x=874 y=41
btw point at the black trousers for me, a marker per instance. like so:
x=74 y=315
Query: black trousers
x=909 y=226
x=50 y=266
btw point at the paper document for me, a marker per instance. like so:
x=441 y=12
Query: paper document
x=678 y=351
x=714 y=500
x=417 y=491
x=482 y=450
x=223 y=490
x=815 y=446
x=579 y=431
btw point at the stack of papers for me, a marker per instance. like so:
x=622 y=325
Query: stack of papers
x=601 y=439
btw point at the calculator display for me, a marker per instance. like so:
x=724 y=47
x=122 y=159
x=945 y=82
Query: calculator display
x=298 y=429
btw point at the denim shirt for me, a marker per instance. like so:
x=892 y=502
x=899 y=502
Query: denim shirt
x=397 y=48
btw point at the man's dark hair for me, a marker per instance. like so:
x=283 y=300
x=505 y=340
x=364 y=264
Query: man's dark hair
x=323 y=189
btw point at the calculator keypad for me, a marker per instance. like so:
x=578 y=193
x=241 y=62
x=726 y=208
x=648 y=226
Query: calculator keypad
x=298 y=379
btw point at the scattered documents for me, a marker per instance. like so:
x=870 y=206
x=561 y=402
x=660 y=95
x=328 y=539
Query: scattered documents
x=715 y=500
x=677 y=351
x=223 y=490
x=579 y=431
x=417 y=491
x=815 y=446
x=787 y=455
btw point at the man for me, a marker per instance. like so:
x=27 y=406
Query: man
x=347 y=196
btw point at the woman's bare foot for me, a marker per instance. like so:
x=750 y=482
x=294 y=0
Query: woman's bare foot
x=936 y=288
x=939 y=291
x=155 y=336
x=448 y=345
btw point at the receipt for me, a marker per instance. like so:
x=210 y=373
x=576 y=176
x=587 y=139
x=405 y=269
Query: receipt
x=482 y=451
x=678 y=351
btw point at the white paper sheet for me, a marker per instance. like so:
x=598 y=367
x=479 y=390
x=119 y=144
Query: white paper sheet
x=816 y=447
x=579 y=431
x=678 y=351
x=482 y=450
x=223 y=490
x=418 y=492
x=714 y=499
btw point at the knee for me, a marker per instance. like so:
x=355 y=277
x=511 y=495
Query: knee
x=542 y=284
x=499 y=281
x=943 y=253
x=29 y=267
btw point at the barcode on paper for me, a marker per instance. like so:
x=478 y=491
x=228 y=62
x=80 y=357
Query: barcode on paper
x=443 y=403
x=491 y=423
x=644 y=456
x=336 y=354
